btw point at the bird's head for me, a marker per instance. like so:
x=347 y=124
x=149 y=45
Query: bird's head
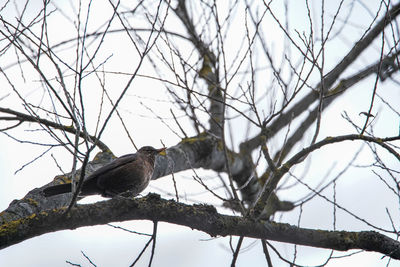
x=151 y=151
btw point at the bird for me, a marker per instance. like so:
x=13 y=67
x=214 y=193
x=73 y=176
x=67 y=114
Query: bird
x=131 y=172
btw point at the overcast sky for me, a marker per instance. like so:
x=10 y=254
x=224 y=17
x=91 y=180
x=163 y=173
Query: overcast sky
x=180 y=246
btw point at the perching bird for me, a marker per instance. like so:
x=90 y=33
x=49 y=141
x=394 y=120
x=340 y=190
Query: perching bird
x=130 y=172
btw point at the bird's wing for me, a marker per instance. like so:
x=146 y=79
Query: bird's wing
x=112 y=165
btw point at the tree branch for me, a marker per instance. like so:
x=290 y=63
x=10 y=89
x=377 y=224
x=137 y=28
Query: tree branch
x=298 y=157
x=329 y=80
x=201 y=217
x=19 y=116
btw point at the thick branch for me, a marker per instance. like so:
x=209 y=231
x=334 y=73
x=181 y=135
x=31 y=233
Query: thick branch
x=206 y=151
x=201 y=217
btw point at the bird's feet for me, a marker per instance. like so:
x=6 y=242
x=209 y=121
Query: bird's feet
x=125 y=195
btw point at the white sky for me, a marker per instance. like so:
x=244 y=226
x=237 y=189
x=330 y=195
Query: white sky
x=180 y=246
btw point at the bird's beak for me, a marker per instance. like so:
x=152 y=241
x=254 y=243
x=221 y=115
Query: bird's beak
x=161 y=151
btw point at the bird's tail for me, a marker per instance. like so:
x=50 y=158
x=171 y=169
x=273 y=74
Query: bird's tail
x=57 y=190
